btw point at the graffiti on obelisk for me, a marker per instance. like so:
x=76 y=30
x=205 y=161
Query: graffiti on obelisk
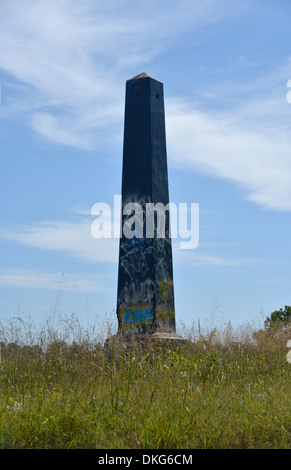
x=145 y=297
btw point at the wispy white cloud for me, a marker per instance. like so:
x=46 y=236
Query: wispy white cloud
x=75 y=239
x=73 y=57
x=70 y=60
x=196 y=258
x=37 y=279
x=249 y=145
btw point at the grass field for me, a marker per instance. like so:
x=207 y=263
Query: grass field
x=215 y=392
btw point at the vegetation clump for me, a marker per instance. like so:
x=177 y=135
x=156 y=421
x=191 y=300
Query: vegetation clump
x=219 y=390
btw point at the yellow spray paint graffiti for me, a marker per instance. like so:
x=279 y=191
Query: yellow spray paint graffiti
x=165 y=310
x=143 y=314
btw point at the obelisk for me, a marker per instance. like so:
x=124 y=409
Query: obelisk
x=145 y=297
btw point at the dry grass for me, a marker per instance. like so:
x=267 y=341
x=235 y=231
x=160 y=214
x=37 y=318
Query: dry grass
x=224 y=389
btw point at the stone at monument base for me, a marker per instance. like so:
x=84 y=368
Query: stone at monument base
x=121 y=343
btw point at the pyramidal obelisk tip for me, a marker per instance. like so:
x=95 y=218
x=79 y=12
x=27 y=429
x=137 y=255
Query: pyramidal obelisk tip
x=142 y=75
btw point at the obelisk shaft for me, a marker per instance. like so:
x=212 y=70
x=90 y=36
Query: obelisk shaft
x=145 y=298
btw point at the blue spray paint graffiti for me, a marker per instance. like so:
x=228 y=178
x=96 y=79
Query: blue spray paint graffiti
x=137 y=314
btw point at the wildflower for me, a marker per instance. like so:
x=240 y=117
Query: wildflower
x=13 y=405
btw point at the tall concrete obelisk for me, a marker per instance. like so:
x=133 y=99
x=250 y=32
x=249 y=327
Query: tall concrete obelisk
x=145 y=298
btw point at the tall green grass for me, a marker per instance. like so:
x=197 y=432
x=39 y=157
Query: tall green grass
x=220 y=390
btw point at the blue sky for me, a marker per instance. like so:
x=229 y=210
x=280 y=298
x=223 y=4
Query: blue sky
x=225 y=65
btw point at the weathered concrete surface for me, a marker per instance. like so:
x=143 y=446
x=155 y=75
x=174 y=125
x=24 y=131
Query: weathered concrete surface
x=118 y=345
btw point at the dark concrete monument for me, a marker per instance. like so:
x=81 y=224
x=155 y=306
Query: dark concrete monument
x=145 y=298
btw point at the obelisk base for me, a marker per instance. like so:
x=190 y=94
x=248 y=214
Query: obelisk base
x=119 y=344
